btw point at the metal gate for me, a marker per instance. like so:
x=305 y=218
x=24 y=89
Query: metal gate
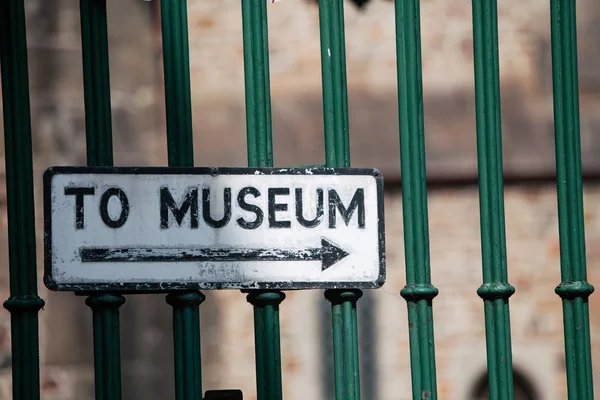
x=574 y=290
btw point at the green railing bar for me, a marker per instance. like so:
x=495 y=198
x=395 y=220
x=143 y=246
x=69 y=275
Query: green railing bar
x=24 y=302
x=337 y=154
x=418 y=292
x=260 y=154
x=267 y=343
x=333 y=70
x=107 y=344
x=495 y=290
x=574 y=288
x=186 y=338
x=345 y=342
x=256 y=76
x=96 y=83
x=186 y=305
x=177 y=82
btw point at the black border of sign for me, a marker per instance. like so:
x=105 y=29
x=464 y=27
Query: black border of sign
x=213 y=171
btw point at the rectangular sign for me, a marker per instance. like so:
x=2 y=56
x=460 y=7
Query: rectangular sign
x=160 y=228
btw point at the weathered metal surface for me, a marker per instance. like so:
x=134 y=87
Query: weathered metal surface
x=164 y=228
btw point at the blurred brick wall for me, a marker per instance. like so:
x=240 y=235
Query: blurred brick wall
x=525 y=64
x=219 y=121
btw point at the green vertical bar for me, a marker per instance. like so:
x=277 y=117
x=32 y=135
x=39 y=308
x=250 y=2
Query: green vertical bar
x=418 y=292
x=96 y=82
x=107 y=344
x=186 y=305
x=345 y=342
x=186 y=334
x=267 y=343
x=333 y=70
x=177 y=82
x=574 y=288
x=337 y=154
x=495 y=290
x=260 y=154
x=24 y=302
x=256 y=75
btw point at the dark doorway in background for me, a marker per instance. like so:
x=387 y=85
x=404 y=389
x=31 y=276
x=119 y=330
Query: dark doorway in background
x=524 y=389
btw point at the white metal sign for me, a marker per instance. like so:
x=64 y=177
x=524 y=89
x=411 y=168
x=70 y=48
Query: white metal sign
x=153 y=229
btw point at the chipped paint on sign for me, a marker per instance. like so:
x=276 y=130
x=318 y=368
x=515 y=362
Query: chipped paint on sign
x=149 y=229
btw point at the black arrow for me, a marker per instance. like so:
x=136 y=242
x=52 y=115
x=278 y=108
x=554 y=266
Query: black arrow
x=328 y=253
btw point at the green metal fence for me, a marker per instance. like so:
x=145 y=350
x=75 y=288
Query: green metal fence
x=574 y=290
